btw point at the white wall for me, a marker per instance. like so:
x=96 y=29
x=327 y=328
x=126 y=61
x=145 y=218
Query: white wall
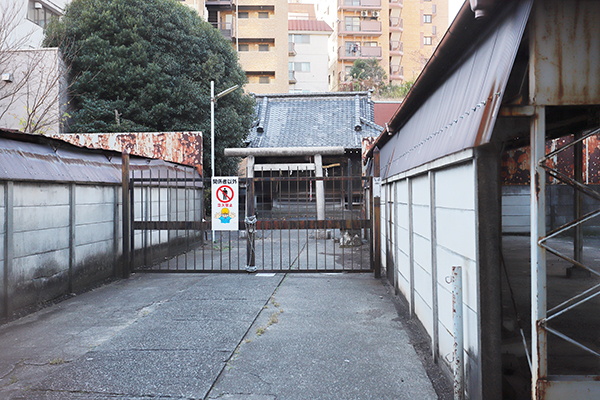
x=426 y=244
x=316 y=54
x=24 y=33
x=37 y=91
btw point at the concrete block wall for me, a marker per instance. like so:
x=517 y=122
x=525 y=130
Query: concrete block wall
x=98 y=233
x=433 y=228
x=57 y=238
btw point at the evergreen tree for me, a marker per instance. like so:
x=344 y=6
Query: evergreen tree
x=146 y=66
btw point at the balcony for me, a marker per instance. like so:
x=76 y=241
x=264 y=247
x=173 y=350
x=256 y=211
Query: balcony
x=293 y=77
x=291 y=49
x=359 y=5
x=366 y=28
x=396 y=3
x=396 y=24
x=396 y=48
x=348 y=54
x=396 y=72
x=226 y=28
x=219 y=4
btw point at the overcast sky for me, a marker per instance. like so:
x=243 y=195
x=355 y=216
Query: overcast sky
x=453 y=7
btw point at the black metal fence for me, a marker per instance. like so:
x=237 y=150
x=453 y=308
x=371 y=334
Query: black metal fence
x=169 y=224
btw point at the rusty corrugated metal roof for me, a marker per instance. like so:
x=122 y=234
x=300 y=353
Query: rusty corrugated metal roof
x=454 y=103
x=178 y=147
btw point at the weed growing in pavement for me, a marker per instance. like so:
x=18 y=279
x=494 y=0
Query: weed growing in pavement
x=57 y=361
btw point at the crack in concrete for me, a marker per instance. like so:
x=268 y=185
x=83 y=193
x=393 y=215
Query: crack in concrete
x=114 y=394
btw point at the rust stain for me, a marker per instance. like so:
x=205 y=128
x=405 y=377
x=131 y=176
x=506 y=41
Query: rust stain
x=178 y=147
x=487 y=116
x=515 y=163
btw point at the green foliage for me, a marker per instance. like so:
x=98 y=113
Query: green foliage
x=146 y=66
x=365 y=75
x=393 y=91
x=368 y=70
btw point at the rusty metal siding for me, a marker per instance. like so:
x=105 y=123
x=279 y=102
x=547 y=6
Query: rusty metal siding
x=178 y=147
x=565 y=53
x=515 y=163
x=461 y=113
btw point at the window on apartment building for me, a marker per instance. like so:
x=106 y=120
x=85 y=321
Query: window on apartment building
x=299 y=66
x=352 y=49
x=427 y=18
x=427 y=40
x=433 y=9
x=263 y=14
x=244 y=47
x=243 y=15
x=264 y=79
x=39 y=13
x=434 y=30
x=263 y=47
x=370 y=44
x=304 y=39
x=352 y=2
x=352 y=24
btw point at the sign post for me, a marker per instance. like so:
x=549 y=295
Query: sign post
x=224 y=203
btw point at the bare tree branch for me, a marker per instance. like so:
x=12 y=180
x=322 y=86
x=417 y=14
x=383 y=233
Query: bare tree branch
x=36 y=99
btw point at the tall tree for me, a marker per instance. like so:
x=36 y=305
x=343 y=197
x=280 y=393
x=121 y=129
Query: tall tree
x=146 y=65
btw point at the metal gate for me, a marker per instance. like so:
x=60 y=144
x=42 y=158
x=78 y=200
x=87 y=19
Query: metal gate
x=167 y=226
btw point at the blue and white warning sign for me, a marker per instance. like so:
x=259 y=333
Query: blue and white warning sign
x=225 y=203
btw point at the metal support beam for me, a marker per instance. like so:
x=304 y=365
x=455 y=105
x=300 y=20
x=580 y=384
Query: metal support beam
x=538 y=254
x=578 y=206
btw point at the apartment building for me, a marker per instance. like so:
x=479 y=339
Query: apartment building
x=308 y=50
x=400 y=34
x=259 y=31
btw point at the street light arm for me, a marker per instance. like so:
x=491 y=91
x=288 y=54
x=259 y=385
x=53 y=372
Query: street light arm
x=226 y=92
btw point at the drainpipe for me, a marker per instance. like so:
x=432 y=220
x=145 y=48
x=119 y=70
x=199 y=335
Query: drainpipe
x=457 y=311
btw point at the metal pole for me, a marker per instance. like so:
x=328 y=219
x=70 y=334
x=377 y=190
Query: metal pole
x=376 y=215
x=212 y=128
x=250 y=217
x=125 y=265
x=457 y=311
x=578 y=207
x=212 y=146
x=538 y=254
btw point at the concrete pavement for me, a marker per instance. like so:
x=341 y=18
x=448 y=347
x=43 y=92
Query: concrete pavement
x=218 y=336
